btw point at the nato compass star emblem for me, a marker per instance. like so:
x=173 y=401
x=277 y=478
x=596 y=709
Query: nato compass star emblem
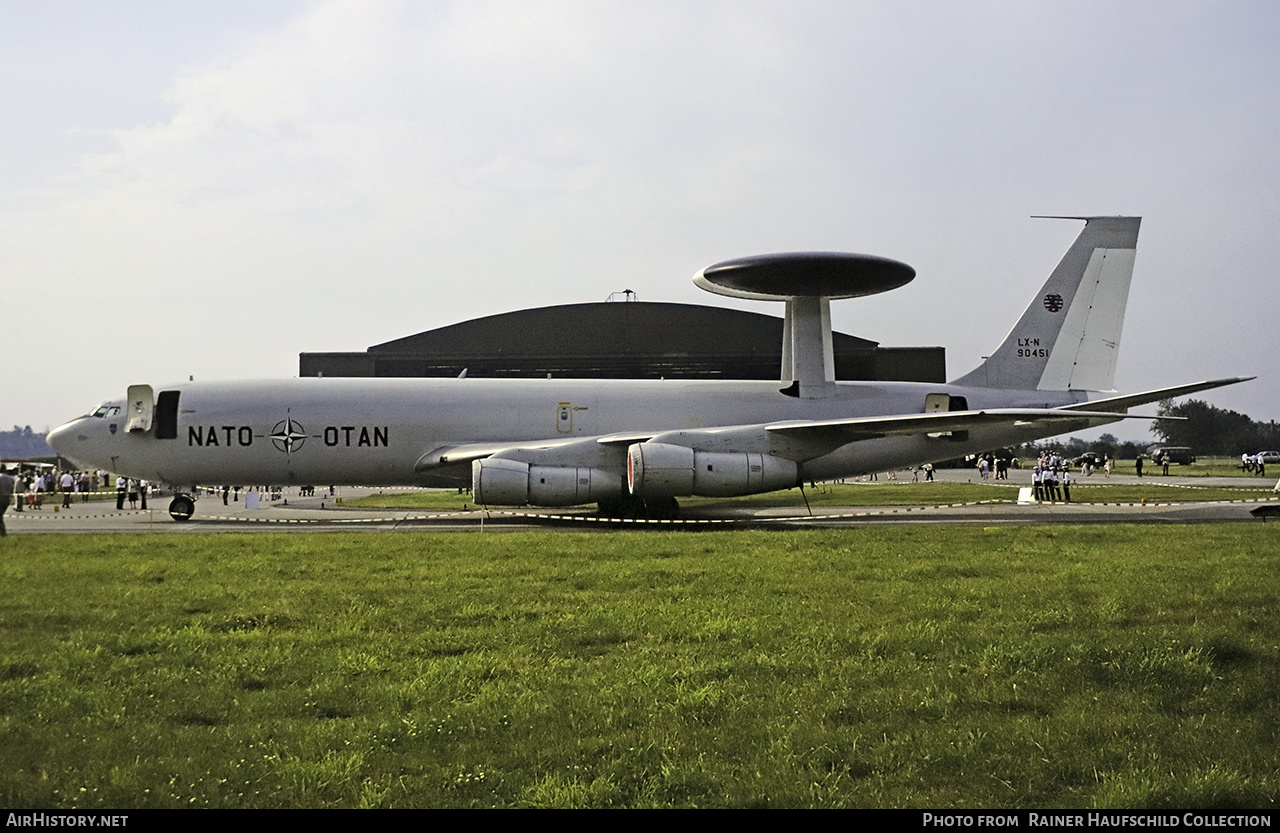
x=1053 y=302
x=288 y=435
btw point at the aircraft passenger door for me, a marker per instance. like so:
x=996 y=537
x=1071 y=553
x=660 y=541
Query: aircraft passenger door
x=167 y=415
x=140 y=403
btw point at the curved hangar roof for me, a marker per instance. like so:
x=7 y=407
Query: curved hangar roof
x=610 y=340
x=622 y=340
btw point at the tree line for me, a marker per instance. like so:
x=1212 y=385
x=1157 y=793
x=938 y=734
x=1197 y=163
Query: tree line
x=23 y=442
x=1214 y=431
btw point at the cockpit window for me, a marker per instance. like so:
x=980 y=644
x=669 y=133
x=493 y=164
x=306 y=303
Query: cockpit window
x=106 y=411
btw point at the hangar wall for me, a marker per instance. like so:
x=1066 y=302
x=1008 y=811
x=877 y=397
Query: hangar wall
x=624 y=340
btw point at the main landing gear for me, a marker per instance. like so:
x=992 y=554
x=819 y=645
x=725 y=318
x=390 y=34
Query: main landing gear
x=182 y=507
x=630 y=507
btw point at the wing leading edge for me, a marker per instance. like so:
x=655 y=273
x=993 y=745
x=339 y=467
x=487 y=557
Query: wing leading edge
x=450 y=456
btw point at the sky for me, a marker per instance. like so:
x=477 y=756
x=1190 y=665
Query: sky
x=208 y=190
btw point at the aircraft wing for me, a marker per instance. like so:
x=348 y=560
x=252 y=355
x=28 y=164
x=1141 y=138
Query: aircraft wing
x=798 y=439
x=807 y=438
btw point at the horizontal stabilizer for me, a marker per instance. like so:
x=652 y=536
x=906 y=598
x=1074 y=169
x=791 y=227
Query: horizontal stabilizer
x=1119 y=403
x=942 y=421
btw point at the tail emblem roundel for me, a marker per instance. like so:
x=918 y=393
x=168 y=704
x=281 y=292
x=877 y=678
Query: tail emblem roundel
x=1053 y=302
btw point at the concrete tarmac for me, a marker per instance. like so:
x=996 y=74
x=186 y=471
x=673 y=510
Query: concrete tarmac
x=321 y=513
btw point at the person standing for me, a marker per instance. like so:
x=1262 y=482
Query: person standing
x=121 y=485
x=7 y=484
x=68 y=484
x=1138 y=465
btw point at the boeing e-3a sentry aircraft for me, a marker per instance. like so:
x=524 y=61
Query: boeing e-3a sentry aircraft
x=634 y=446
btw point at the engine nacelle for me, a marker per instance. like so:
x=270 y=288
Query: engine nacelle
x=500 y=482
x=659 y=470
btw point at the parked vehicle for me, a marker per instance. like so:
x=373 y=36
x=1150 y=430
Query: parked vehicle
x=1179 y=454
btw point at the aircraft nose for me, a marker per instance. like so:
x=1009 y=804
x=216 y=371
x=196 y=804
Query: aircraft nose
x=59 y=439
x=68 y=440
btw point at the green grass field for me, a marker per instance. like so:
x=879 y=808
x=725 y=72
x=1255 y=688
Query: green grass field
x=1099 y=666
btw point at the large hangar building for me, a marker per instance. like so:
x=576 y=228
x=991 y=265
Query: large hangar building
x=620 y=340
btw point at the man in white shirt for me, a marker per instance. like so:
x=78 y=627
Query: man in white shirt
x=68 y=485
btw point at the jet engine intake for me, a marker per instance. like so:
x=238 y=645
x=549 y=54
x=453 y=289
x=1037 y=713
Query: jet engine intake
x=497 y=481
x=658 y=470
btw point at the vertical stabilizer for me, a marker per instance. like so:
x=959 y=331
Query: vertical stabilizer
x=1069 y=336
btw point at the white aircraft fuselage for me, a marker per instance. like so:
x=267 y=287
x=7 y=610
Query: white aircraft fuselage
x=374 y=431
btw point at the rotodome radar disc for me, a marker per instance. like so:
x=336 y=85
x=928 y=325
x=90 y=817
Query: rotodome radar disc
x=790 y=274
